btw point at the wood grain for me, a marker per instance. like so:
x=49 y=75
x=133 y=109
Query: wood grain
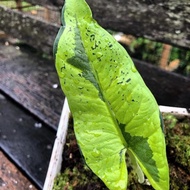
x=169 y=89
x=164 y=21
x=32 y=81
x=11 y=178
x=25 y=139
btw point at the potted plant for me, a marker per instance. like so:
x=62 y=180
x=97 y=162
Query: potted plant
x=114 y=112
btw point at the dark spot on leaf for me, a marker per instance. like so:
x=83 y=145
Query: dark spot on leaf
x=92 y=37
x=62 y=68
x=128 y=80
x=110 y=45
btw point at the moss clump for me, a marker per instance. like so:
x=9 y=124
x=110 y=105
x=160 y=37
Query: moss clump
x=178 y=150
x=75 y=179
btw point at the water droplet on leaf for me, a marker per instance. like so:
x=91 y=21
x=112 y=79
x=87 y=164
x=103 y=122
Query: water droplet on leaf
x=99 y=54
x=97 y=134
x=134 y=69
x=95 y=153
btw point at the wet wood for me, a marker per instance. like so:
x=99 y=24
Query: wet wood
x=32 y=81
x=169 y=21
x=11 y=177
x=26 y=140
x=169 y=89
x=165 y=21
x=35 y=32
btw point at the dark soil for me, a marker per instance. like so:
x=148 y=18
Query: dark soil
x=76 y=175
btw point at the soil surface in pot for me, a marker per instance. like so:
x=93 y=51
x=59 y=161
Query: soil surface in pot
x=75 y=174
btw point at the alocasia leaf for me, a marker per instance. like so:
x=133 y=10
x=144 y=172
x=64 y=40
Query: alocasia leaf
x=113 y=110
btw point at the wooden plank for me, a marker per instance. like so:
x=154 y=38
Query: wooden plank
x=165 y=21
x=11 y=177
x=32 y=81
x=26 y=140
x=169 y=89
x=29 y=29
x=165 y=25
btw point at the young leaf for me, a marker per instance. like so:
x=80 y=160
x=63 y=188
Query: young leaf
x=113 y=110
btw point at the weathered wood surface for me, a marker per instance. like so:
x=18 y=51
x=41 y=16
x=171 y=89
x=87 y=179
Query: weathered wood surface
x=26 y=140
x=35 y=32
x=32 y=81
x=169 y=89
x=11 y=178
x=165 y=21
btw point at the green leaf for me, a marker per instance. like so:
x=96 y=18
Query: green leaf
x=113 y=110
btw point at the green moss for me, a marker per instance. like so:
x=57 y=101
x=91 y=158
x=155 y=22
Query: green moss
x=178 y=150
x=72 y=179
x=169 y=120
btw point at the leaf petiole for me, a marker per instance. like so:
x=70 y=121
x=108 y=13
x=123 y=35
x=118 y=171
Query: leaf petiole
x=136 y=167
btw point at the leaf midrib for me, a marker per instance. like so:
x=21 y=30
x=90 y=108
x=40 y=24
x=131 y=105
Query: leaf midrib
x=94 y=73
